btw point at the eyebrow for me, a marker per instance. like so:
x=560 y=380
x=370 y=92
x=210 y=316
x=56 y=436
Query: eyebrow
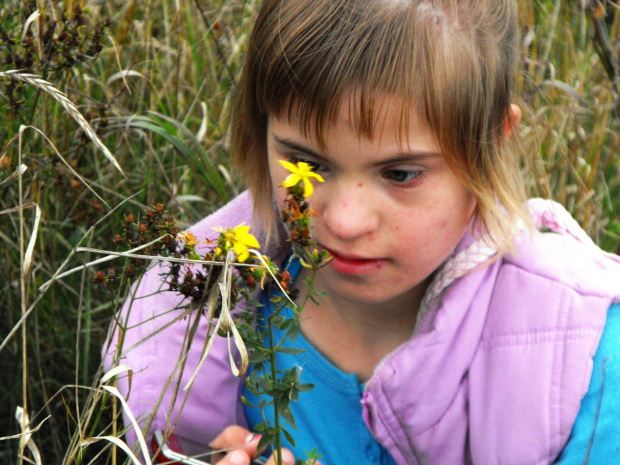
x=400 y=157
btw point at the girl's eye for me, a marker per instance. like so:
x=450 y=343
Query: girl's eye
x=316 y=167
x=402 y=176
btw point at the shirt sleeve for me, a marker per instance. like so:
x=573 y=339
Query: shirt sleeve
x=595 y=437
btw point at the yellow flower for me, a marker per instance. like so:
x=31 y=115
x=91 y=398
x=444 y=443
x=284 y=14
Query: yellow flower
x=188 y=238
x=300 y=172
x=239 y=239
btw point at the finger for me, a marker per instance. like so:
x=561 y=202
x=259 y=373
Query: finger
x=287 y=458
x=232 y=436
x=236 y=457
x=238 y=438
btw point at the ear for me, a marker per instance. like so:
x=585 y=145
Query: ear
x=514 y=116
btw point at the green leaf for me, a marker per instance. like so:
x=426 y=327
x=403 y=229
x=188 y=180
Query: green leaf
x=247 y=402
x=267 y=438
x=288 y=436
x=303 y=387
x=253 y=302
x=291 y=350
x=263 y=384
x=176 y=133
x=288 y=416
x=293 y=331
x=258 y=357
x=282 y=403
x=277 y=321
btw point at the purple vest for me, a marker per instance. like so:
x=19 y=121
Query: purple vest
x=493 y=374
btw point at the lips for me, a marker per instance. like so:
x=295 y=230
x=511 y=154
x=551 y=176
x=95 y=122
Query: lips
x=352 y=265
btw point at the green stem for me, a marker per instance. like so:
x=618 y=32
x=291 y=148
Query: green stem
x=310 y=288
x=278 y=457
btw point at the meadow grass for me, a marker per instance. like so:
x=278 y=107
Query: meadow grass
x=154 y=86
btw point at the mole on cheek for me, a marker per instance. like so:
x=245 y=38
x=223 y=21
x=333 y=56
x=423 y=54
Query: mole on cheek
x=360 y=184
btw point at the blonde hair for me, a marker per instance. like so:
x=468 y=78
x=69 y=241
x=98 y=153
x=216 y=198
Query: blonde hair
x=453 y=62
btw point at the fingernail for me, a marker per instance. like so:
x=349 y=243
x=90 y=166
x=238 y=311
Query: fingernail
x=238 y=457
x=287 y=456
x=252 y=437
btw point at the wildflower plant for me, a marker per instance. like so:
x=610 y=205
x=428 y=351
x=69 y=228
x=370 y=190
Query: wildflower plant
x=155 y=233
x=274 y=388
x=204 y=277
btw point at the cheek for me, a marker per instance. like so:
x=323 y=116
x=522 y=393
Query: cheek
x=443 y=224
x=277 y=175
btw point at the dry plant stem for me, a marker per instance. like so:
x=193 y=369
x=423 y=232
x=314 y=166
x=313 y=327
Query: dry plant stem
x=22 y=281
x=21 y=435
x=183 y=315
x=43 y=289
x=77 y=344
x=189 y=337
x=187 y=342
x=44 y=383
x=597 y=148
x=111 y=255
x=67 y=105
x=75 y=450
x=25 y=315
x=16 y=173
x=554 y=20
x=121 y=340
x=231 y=75
x=73 y=172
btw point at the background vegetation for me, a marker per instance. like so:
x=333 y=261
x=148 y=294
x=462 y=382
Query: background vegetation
x=153 y=79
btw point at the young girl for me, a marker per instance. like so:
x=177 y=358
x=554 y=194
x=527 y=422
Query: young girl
x=452 y=332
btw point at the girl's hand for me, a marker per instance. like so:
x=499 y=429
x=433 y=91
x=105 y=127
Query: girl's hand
x=244 y=444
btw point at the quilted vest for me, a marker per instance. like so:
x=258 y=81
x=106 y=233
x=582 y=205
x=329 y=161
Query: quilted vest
x=494 y=372
x=502 y=355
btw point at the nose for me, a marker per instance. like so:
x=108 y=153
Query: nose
x=349 y=211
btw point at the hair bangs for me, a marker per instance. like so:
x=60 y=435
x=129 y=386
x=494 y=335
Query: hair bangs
x=336 y=56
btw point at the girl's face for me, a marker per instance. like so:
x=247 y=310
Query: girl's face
x=390 y=210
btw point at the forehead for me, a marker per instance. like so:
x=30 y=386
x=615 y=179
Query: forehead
x=341 y=136
x=375 y=117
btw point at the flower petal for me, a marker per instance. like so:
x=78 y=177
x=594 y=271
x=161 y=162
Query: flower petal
x=241 y=230
x=242 y=234
x=316 y=176
x=289 y=166
x=308 y=188
x=291 y=180
x=304 y=168
x=242 y=253
x=250 y=241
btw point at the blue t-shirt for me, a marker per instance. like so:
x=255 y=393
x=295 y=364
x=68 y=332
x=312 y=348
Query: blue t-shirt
x=329 y=417
x=595 y=437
